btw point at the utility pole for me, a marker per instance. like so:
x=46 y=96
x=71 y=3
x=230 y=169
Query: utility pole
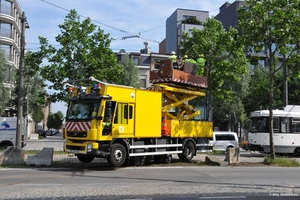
x=27 y=110
x=21 y=82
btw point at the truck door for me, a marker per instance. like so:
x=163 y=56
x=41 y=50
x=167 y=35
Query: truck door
x=123 y=121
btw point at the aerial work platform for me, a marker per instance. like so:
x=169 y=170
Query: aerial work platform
x=163 y=72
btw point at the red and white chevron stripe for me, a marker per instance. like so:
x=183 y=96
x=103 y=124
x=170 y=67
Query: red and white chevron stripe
x=78 y=126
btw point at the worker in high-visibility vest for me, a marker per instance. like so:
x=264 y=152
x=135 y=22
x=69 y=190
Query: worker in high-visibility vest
x=190 y=60
x=173 y=57
x=106 y=126
x=183 y=60
x=200 y=65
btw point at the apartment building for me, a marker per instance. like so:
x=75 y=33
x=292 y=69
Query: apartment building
x=10 y=36
x=228 y=14
x=142 y=60
x=175 y=28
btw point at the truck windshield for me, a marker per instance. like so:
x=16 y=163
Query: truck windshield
x=83 y=110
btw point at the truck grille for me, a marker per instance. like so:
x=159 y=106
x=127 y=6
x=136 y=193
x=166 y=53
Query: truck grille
x=76 y=134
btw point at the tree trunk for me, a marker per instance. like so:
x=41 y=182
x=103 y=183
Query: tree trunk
x=271 y=101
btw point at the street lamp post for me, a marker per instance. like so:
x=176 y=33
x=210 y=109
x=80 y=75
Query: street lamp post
x=21 y=81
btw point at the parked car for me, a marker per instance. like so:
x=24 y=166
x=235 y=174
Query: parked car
x=222 y=140
x=41 y=132
x=49 y=132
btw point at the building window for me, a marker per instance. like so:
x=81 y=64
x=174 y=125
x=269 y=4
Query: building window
x=143 y=79
x=185 y=17
x=6 y=49
x=5 y=29
x=136 y=60
x=5 y=7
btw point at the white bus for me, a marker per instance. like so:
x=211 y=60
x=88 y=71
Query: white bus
x=286 y=130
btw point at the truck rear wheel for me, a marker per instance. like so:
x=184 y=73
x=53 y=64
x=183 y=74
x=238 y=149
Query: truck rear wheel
x=85 y=158
x=188 y=152
x=117 y=155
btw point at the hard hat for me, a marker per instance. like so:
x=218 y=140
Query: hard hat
x=201 y=55
x=173 y=52
x=185 y=56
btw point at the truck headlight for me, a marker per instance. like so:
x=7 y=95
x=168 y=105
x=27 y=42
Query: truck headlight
x=89 y=147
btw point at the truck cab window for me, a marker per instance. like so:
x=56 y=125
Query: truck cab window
x=121 y=114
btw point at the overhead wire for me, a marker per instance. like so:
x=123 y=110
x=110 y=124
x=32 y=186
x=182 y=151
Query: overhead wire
x=127 y=32
x=131 y=34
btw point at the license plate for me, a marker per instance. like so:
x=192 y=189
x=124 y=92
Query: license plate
x=74 y=151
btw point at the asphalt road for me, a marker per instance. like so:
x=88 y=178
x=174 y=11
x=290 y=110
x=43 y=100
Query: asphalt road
x=55 y=141
x=152 y=183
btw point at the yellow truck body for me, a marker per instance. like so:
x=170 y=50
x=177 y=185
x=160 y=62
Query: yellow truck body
x=123 y=123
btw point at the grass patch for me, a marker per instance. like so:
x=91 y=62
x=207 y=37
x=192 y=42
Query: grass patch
x=218 y=152
x=283 y=162
x=14 y=166
x=33 y=152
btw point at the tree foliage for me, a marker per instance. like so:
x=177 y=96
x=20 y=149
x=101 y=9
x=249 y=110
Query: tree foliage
x=37 y=116
x=130 y=73
x=192 y=20
x=84 y=51
x=269 y=29
x=6 y=74
x=224 y=56
x=55 y=120
x=34 y=88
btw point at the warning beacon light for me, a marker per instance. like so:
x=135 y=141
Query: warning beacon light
x=70 y=89
x=97 y=86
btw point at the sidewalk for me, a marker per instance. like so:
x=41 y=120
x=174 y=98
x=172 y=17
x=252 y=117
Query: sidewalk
x=244 y=157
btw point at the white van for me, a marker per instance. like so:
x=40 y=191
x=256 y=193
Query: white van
x=8 y=132
x=222 y=140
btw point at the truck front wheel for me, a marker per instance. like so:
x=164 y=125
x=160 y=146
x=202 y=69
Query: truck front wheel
x=85 y=158
x=188 y=152
x=117 y=155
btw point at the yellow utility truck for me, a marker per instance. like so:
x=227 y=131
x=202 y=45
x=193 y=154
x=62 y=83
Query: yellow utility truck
x=124 y=124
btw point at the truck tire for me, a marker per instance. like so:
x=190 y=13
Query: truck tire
x=85 y=158
x=117 y=155
x=188 y=152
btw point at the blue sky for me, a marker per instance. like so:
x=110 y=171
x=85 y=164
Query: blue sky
x=118 y=18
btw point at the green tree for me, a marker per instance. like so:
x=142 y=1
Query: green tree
x=6 y=76
x=269 y=28
x=130 y=73
x=233 y=111
x=55 y=120
x=84 y=51
x=34 y=92
x=294 y=87
x=226 y=62
x=37 y=117
x=34 y=86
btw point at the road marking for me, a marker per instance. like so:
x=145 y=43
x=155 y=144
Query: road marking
x=224 y=197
